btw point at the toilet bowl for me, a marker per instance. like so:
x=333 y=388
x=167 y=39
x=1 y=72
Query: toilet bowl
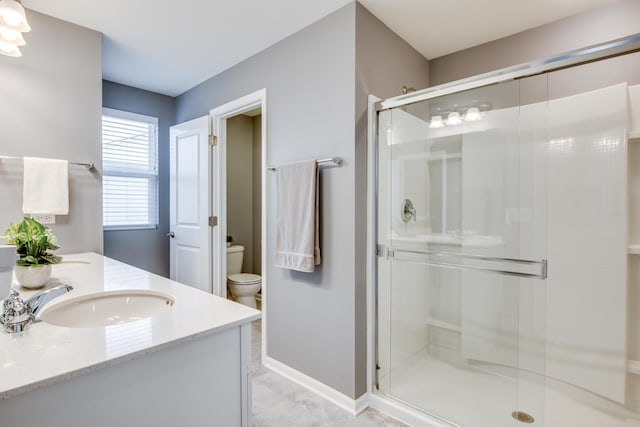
x=242 y=286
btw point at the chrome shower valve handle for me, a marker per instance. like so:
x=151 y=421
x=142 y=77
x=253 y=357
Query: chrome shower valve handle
x=407 y=211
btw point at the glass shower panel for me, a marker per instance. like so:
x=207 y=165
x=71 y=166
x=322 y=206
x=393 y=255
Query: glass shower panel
x=461 y=225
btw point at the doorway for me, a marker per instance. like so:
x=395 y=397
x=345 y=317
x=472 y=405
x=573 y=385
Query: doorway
x=235 y=192
x=199 y=196
x=244 y=207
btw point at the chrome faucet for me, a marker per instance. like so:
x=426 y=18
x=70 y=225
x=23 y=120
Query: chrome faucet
x=17 y=314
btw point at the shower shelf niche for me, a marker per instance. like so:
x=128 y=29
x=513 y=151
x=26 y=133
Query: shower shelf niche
x=633 y=367
x=430 y=321
x=634 y=249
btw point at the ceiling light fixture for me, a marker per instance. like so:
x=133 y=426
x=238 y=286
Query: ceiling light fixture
x=9 y=49
x=436 y=122
x=472 y=115
x=453 y=118
x=13 y=15
x=13 y=22
x=10 y=36
x=458 y=114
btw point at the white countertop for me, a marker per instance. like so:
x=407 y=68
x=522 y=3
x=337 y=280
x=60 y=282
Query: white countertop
x=46 y=353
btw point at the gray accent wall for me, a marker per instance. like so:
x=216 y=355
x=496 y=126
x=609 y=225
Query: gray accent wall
x=147 y=249
x=310 y=83
x=50 y=104
x=612 y=21
x=317 y=83
x=384 y=64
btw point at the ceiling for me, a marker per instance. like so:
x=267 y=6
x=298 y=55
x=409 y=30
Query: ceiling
x=169 y=47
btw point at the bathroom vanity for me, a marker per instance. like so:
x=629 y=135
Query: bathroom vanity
x=187 y=364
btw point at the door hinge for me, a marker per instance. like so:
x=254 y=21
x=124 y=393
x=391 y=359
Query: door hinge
x=379 y=250
x=213 y=140
x=213 y=221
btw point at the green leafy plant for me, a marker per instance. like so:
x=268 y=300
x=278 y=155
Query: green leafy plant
x=33 y=241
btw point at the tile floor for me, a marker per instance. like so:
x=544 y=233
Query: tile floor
x=279 y=402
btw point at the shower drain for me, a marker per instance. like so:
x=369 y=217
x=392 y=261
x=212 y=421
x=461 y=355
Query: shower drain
x=523 y=417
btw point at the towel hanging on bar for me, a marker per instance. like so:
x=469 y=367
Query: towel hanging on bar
x=45 y=186
x=297 y=232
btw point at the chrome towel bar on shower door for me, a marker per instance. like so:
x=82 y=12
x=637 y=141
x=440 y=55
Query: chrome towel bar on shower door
x=395 y=253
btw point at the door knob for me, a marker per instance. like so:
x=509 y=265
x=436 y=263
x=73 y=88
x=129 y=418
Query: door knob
x=171 y=234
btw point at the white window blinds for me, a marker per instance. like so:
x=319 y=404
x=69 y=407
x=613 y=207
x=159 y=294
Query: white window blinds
x=130 y=170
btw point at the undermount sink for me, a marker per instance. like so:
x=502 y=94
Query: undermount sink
x=107 y=308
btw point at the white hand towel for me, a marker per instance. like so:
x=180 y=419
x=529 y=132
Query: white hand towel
x=45 y=186
x=297 y=237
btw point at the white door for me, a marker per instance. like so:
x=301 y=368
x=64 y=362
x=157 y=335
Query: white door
x=189 y=204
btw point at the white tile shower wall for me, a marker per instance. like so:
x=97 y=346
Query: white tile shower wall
x=408 y=305
x=490 y=187
x=444 y=296
x=409 y=172
x=532 y=228
x=444 y=344
x=587 y=238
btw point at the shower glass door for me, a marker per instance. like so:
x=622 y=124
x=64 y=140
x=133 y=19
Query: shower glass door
x=462 y=242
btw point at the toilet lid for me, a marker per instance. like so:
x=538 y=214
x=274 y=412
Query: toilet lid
x=245 y=278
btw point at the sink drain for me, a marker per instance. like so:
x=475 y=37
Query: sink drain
x=523 y=417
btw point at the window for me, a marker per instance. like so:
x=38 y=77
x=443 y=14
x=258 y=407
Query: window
x=130 y=170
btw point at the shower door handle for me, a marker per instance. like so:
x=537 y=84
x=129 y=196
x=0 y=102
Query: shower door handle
x=393 y=253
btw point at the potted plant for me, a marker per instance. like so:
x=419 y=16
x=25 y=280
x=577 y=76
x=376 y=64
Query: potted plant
x=33 y=241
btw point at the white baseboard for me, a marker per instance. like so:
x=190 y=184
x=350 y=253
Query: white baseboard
x=403 y=413
x=343 y=401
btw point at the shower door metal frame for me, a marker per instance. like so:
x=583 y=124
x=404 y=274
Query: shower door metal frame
x=578 y=57
x=593 y=53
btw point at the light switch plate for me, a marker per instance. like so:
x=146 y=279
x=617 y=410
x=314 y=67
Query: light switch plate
x=44 y=218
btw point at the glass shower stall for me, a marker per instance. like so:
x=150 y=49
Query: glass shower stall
x=501 y=290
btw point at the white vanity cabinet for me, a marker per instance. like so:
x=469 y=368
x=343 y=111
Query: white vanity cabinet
x=186 y=366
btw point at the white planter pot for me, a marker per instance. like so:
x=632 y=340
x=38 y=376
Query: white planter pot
x=33 y=277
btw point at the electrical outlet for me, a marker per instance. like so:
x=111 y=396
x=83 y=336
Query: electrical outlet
x=44 y=218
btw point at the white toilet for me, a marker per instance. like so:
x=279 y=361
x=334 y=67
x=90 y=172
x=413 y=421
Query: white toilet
x=243 y=286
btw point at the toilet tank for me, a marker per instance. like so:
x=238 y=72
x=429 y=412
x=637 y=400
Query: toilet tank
x=234 y=259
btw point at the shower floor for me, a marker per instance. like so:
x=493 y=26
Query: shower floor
x=475 y=398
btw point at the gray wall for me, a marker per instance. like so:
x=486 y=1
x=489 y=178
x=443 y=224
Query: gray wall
x=310 y=84
x=146 y=249
x=609 y=22
x=317 y=84
x=244 y=181
x=257 y=195
x=240 y=185
x=384 y=64
x=50 y=104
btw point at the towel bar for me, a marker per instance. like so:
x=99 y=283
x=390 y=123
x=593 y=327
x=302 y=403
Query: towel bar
x=336 y=161
x=89 y=166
